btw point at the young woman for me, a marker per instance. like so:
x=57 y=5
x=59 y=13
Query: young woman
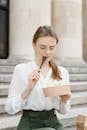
x=26 y=89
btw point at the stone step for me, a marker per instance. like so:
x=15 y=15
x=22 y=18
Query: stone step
x=75 y=87
x=12 y=62
x=73 y=65
x=74 y=70
x=78 y=77
x=2 y=105
x=72 y=62
x=76 y=99
x=6 y=69
x=69 y=62
x=4 y=89
x=68 y=120
x=77 y=70
x=6 y=78
x=9 y=122
x=78 y=86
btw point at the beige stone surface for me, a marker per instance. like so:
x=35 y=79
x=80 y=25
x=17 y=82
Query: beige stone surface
x=67 y=21
x=25 y=17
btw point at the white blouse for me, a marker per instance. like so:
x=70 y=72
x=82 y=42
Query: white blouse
x=36 y=100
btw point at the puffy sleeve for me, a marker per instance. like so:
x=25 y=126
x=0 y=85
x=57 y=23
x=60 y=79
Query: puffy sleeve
x=14 y=101
x=64 y=107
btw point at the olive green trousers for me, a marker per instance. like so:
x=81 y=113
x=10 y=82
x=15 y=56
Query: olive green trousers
x=39 y=120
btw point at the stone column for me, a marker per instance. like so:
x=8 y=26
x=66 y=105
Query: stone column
x=25 y=17
x=84 y=20
x=67 y=21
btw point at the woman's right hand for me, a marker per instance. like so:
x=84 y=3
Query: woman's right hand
x=33 y=78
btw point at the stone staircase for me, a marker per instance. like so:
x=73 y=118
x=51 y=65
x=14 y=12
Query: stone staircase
x=78 y=78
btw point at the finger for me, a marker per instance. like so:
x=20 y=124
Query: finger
x=35 y=77
x=66 y=95
x=36 y=72
x=66 y=98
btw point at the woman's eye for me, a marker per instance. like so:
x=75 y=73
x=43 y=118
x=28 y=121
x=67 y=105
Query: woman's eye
x=51 y=48
x=42 y=48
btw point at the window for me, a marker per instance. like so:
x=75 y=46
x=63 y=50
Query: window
x=4 y=28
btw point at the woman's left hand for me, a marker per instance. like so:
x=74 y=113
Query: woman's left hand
x=65 y=98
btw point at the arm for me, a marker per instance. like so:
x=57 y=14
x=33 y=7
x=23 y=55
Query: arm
x=64 y=106
x=64 y=100
x=14 y=101
x=18 y=92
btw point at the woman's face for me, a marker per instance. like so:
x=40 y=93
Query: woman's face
x=45 y=46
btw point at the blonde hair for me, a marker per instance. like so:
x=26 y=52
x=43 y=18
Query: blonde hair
x=48 y=31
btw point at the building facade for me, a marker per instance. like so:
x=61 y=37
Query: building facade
x=68 y=17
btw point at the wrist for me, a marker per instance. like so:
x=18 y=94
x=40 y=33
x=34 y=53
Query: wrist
x=29 y=88
x=26 y=93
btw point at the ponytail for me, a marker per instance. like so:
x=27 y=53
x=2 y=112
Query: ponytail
x=55 y=70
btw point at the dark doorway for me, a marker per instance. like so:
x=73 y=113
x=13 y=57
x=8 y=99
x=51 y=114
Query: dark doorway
x=4 y=28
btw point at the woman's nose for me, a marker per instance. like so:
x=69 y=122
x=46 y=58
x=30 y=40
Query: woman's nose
x=47 y=51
